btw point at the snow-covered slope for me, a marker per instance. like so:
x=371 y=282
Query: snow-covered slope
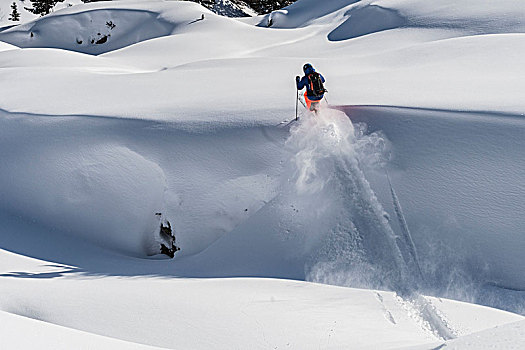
x=96 y=28
x=411 y=182
x=499 y=337
x=218 y=313
x=20 y=332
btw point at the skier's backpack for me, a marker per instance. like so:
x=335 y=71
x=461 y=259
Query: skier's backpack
x=316 y=84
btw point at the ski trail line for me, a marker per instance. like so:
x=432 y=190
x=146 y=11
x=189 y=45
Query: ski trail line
x=425 y=311
x=362 y=245
x=402 y=248
x=408 y=242
x=421 y=309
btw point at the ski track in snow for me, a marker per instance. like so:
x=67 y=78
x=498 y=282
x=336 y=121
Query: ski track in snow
x=387 y=313
x=331 y=144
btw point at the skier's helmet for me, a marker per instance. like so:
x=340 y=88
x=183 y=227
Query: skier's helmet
x=307 y=68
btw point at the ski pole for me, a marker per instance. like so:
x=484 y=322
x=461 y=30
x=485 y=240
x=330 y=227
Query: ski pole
x=296 y=103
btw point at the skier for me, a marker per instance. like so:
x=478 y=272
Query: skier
x=313 y=82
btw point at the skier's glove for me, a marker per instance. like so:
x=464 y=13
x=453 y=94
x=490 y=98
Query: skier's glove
x=297 y=79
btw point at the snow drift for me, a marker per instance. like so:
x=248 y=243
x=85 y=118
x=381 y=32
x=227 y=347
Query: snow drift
x=95 y=28
x=105 y=193
x=93 y=32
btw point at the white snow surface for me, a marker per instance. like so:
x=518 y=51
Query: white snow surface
x=352 y=228
x=499 y=337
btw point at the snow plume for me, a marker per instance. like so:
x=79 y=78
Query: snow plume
x=453 y=275
x=355 y=244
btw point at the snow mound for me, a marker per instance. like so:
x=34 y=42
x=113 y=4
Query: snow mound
x=103 y=193
x=366 y=20
x=506 y=336
x=23 y=333
x=505 y=16
x=351 y=19
x=302 y=13
x=93 y=32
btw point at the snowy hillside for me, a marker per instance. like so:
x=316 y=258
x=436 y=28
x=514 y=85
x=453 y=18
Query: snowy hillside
x=230 y=8
x=392 y=219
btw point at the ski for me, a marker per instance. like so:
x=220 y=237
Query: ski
x=287 y=122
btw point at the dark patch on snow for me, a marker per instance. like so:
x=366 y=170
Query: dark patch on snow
x=167 y=237
x=236 y=8
x=103 y=39
x=73 y=31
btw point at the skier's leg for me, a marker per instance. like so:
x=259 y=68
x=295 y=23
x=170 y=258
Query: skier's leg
x=308 y=102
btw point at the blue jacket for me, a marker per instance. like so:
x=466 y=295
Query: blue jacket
x=301 y=84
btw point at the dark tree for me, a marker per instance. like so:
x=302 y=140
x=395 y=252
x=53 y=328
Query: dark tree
x=42 y=7
x=88 y=1
x=15 y=15
x=259 y=6
x=265 y=6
